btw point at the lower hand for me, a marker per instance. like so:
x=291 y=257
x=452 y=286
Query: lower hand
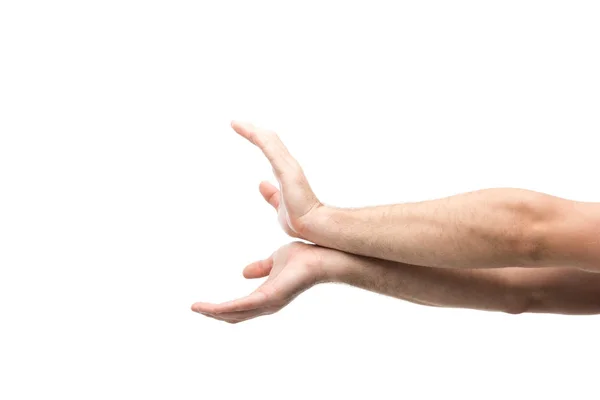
x=291 y=270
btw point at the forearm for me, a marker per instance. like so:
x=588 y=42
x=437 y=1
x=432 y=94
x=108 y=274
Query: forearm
x=443 y=287
x=483 y=229
x=510 y=290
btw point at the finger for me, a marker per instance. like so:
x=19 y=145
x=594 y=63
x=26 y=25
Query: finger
x=271 y=146
x=250 y=302
x=258 y=269
x=270 y=193
x=218 y=318
x=238 y=316
x=203 y=308
x=247 y=131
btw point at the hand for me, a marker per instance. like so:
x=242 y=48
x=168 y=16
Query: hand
x=291 y=270
x=295 y=202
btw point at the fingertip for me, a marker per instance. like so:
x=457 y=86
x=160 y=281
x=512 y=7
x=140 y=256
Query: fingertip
x=244 y=129
x=196 y=309
x=240 y=125
x=266 y=188
x=246 y=274
x=201 y=308
x=235 y=125
x=270 y=193
x=251 y=272
x=266 y=184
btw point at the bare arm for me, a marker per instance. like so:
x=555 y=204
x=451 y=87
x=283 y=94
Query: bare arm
x=296 y=267
x=483 y=229
x=511 y=290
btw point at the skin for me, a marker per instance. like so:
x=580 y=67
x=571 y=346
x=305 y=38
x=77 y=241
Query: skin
x=507 y=250
x=297 y=267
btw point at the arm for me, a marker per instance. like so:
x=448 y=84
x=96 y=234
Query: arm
x=483 y=229
x=511 y=290
x=296 y=267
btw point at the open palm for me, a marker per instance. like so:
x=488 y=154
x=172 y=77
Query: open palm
x=296 y=200
x=291 y=270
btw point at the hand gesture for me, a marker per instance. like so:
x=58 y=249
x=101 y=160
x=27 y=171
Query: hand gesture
x=291 y=270
x=295 y=202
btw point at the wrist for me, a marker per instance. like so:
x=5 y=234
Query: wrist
x=335 y=266
x=314 y=222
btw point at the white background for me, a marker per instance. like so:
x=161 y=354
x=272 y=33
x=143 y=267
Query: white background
x=125 y=196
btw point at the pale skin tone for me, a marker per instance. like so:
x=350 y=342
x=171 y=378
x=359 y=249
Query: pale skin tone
x=507 y=250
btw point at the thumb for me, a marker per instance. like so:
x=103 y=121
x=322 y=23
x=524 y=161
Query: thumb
x=270 y=193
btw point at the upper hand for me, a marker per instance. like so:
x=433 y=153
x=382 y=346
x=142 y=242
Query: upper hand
x=295 y=202
x=291 y=270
